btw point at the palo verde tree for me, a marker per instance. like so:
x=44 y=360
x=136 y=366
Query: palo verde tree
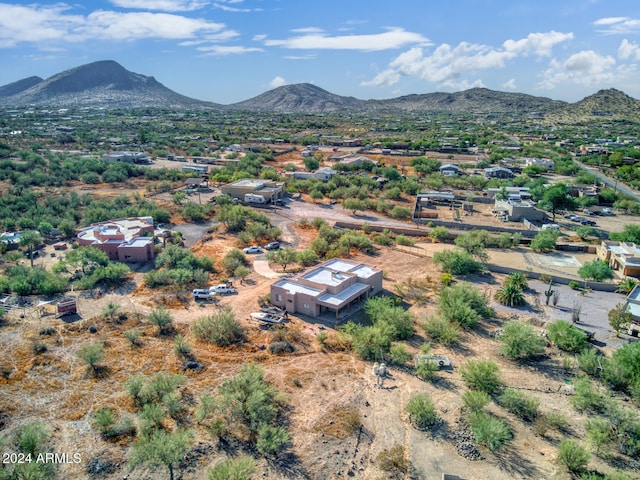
x=556 y=198
x=161 y=448
x=596 y=270
x=283 y=257
x=30 y=240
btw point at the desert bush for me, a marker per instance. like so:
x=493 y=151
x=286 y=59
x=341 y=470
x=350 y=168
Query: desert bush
x=488 y=430
x=519 y=340
x=439 y=234
x=463 y=304
x=475 y=400
x=181 y=346
x=518 y=279
x=483 y=375
x=573 y=456
x=457 y=262
x=282 y=346
x=591 y=362
x=446 y=279
x=91 y=354
x=588 y=398
x=31 y=438
x=133 y=336
x=220 y=328
x=394 y=460
x=520 y=404
x=426 y=369
x=554 y=420
x=623 y=369
x=271 y=439
x=566 y=336
x=240 y=468
x=422 y=411
x=510 y=294
x=104 y=418
x=442 y=330
x=398 y=354
x=599 y=434
x=161 y=318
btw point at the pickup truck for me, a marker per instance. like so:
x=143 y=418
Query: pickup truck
x=203 y=294
x=222 y=289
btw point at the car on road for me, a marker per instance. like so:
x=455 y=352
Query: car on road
x=272 y=246
x=223 y=289
x=252 y=249
x=203 y=294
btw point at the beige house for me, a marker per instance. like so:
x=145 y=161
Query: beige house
x=269 y=189
x=334 y=286
x=123 y=239
x=622 y=256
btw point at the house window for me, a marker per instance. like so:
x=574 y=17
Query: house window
x=278 y=297
x=306 y=306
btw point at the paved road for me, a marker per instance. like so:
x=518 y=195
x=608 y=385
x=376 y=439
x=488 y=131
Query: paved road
x=611 y=182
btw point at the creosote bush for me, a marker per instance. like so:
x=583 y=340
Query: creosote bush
x=422 y=411
x=520 y=404
x=220 y=328
x=573 y=456
x=483 y=375
x=488 y=430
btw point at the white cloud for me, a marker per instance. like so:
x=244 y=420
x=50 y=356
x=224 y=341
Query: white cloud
x=231 y=9
x=584 y=68
x=450 y=66
x=540 y=44
x=43 y=25
x=259 y=38
x=308 y=30
x=135 y=25
x=277 y=82
x=618 y=25
x=299 y=57
x=162 y=5
x=221 y=50
x=628 y=50
x=393 y=38
x=510 y=84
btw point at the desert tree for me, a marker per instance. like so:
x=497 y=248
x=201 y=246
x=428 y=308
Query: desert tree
x=91 y=354
x=161 y=318
x=30 y=239
x=619 y=318
x=161 y=449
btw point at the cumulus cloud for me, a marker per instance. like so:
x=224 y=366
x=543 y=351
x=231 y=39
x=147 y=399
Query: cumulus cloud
x=584 y=68
x=277 y=82
x=393 y=38
x=42 y=24
x=617 y=25
x=510 y=84
x=450 y=65
x=628 y=50
x=540 y=44
x=227 y=8
x=161 y=5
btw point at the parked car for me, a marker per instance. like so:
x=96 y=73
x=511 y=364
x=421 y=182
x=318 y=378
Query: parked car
x=607 y=211
x=272 y=246
x=203 y=294
x=577 y=219
x=551 y=226
x=252 y=249
x=586 y=221
x=223 y=289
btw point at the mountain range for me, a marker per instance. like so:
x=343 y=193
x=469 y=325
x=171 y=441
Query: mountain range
x=108 y=84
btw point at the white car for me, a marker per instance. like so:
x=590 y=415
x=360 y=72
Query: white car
x=203 y=294
x=252 y=249
x=223 y=289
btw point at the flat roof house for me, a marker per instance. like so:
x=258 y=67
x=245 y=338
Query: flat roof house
x=127 y=157
x=269 y=189
x=622 y=256
x=121 y=239
x=498 y=172
x=517 y=210
x=333 y=286
x=450 y=170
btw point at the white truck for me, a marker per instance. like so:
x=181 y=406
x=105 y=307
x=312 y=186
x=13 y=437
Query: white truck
x=223 y=289
x=203 y=294
x=254 y=198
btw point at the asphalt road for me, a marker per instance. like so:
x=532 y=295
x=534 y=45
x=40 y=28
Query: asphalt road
x=611 y=182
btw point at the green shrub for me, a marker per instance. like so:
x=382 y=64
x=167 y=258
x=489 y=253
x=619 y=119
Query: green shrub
x=91 y=354
x=510 y=295
x=133 y=336
x=587 y=397
x=488 y=430
x=426 y=369
x=422 y=411
x=591 y=362
x=398 y=354
x=281 y=346
x=599 y=433
x=446 y=279
x=438 y=234
x=457 y=262
x=483 y=375
x=573 y=456
x=566 y=336
x=104 y=418
x=181 y=346
x=475 y=400
x=519 y=340
x=240 y=468
x=574 y=285
x=520 y=404
x=220 y=328
x=32 y=437
x=442 y=330
x=271 y=439
x=161 y=318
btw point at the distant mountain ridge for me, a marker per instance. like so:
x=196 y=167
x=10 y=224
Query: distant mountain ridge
x=102 y=84
x=108 y=84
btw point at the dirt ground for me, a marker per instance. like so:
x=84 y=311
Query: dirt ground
x=339 y=419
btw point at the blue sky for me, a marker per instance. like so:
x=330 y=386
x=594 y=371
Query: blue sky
x=230 y=50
